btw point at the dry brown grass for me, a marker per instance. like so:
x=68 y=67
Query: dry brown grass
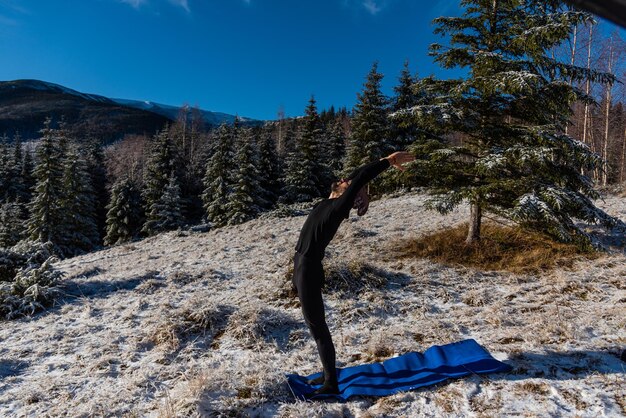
x=501 y=248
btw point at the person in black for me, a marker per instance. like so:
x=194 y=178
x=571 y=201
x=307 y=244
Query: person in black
x=308 y=278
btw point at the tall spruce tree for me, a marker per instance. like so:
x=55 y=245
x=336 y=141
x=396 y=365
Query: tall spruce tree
x=368 y=140
x=218 y=179
x=46 y=212
x=166 y=213
x=269 y=167
x=162 y=161
x=11 y=224
x=98 y=178
x=303 y=178
x=335 y=149
x=5 y=169
x=124 y=215
x=246 y=198
x=79 y=227
x=511 y=108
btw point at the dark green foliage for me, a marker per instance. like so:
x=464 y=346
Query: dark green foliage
x=98 y=178
x=79 y=230
x=124 y=217
x=165 y=214
x=511 y=110
x=335 y=149
x=269 y=167
x=303 y=172
x=368 y=140
x=245 y=200
x=27 y=279
x=218 y=179
x=162 y=160
x=5 y=169
x=12 y=215
x=46 y=211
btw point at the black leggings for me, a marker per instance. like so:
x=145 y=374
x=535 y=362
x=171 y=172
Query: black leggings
x=308 y=278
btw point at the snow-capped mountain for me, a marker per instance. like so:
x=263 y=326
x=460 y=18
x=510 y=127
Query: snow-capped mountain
x=25 y=105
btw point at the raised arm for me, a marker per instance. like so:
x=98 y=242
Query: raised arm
x=366 y=173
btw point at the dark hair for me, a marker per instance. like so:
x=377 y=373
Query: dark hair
x=334 y=186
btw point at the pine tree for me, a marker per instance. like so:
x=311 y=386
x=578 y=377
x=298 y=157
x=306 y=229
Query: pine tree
x=79 y=227
x=368 y=140
x=165 y=213
x=269 y=167
x=27 y=175
x=246 y=198
x=46 y=211
x=98 y=178
x=403 y=134
x=161 y=162
x=124 y=218
x=11 y=224
x=5 y=169
x=336 y=147
x=302 y=172
x=511 y=108
x=218 y=178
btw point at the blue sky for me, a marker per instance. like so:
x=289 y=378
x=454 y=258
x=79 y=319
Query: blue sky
x=248 y=57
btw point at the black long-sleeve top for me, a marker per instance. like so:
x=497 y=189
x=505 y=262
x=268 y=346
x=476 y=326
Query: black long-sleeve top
x=323 y=222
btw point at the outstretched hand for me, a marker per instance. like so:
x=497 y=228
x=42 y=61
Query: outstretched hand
x=397 y=159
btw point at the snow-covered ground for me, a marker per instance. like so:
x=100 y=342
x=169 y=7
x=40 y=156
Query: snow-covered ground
x=190 y=323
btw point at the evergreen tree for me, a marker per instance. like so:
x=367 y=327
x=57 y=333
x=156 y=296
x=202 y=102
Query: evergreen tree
x=79 y=227
x=246 y=198
x=303 y=169
x=11 y=224
x=98 y=178
x=218 y=178
x=27 y=176
x=124 y=218
x=165 y=213
x=368 y=140
x=403 y=134
x=5 y=169
x=336 y=147
x=512 y=109
x=162 y=160
x=47 y=214
x=269 y=167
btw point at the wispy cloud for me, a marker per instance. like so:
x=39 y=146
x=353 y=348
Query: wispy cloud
x=182 y=3
x=137 y=4
x=372 y=6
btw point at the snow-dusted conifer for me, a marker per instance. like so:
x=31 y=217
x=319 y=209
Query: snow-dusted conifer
x=124 y=217
x=46 y=210
x=511 y=109
x=368 y=139
x=302 y=173
x=162 y=160
x=218 y=178
x=269 y=167
x=165 y=213
x=11 y=223
x=79 y=229
x=5 y=169
x=243 y=202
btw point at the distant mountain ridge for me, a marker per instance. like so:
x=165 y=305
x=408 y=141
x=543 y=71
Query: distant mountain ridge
x=25 y=104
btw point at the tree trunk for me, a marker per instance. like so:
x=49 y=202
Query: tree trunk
x=605 y=145
x=473 y=234
x=621 y=173
x=587 y=90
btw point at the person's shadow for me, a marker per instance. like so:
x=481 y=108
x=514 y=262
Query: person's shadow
x=558 y=365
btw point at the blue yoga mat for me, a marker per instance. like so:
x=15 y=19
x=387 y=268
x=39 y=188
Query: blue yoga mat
x=406 y=372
